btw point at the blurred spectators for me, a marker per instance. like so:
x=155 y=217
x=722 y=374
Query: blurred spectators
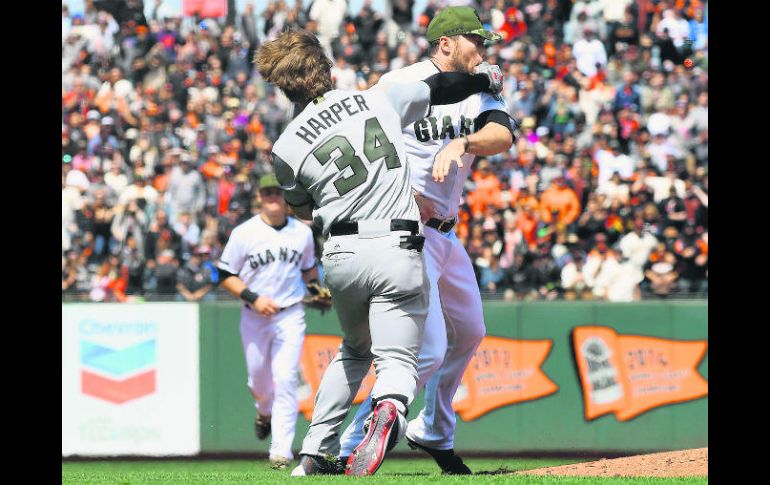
x=166 y=126
x=559 y=203
x=194 y=280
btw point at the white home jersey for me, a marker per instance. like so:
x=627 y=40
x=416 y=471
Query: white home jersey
x=270 y=261
x=345 y=154
x=427 y=136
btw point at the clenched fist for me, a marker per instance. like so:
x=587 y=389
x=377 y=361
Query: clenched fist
x=495 y=75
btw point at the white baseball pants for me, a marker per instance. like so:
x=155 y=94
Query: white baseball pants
x=272 y=347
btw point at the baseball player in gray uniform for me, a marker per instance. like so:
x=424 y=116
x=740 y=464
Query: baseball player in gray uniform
x=441 y=148
x=342 y=163
x=264 y=263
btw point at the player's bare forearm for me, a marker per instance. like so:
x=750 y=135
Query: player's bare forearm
x=263 y=305
x=492 y=139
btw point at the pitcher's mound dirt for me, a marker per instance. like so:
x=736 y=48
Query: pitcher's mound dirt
x=685 y=463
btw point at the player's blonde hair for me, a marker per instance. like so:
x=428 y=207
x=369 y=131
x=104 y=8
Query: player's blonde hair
x=296 y=63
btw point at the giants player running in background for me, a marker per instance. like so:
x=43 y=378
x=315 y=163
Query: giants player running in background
x=479 y=125
x=264 y=263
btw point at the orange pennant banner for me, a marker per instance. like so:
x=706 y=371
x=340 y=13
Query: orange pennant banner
x=502 y=372
x=317 y=352
x=629 y=375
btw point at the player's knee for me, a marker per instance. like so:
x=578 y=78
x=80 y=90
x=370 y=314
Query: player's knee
x=472 y=332
x=477 y=332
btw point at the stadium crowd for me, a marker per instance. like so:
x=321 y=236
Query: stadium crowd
x=167 y=126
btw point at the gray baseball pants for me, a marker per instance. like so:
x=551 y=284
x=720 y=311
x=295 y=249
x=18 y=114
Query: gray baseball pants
x=380 y=292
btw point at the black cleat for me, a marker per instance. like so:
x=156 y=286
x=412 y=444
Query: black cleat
x=450 y=463
x=318 y=465
x=262 y=426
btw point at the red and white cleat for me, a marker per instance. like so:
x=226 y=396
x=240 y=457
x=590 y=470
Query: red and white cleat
x=369 y=455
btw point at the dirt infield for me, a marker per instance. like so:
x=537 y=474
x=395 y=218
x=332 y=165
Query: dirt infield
x=685 y=463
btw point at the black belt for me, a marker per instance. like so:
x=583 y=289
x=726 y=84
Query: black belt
x=442 y=225
x=346 y=228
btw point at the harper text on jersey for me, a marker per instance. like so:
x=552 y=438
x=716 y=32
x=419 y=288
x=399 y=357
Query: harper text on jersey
x=331 y=116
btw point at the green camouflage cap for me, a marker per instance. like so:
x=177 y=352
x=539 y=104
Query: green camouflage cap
x=268 y=181
x=456 y=21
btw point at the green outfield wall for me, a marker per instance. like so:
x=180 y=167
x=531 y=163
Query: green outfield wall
x=553 y=423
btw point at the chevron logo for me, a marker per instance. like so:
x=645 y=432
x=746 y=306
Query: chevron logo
x=118 y=375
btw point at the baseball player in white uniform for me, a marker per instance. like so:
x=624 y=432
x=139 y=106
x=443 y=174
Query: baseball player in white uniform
x=264 y=263
x=440 y=149
x=342 y=162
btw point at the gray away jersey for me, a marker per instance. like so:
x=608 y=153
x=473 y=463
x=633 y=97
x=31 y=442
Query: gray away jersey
x=345 y=154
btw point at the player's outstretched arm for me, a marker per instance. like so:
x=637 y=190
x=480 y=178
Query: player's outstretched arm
x=453 y=87
x=412 y=100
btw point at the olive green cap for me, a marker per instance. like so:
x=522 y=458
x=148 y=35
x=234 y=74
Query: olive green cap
x=456 y=21
x=268 y=181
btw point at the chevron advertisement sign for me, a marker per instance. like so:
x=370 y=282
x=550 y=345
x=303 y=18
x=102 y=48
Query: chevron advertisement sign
x=118 y=375
x=130 y=379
